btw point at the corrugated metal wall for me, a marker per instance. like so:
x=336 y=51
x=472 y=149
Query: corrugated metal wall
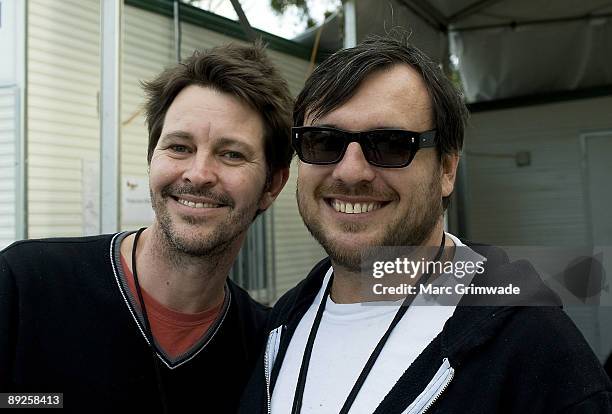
x=63 y=125
x=296 y=252
x=64 y=77
x=8 y=160
x=147 y=49
x=540 y=204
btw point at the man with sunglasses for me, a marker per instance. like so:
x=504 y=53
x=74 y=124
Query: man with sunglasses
x=378 y=130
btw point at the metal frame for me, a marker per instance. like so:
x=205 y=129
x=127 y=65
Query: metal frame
x=539 y=22
x=540 y=99
x=599 y=341
x=437 y=20
x=20 y=213
x=585 y=178
x=250 y=268
x=177 y=30
x=350 y=24
x=210 y=21
x=16 y=88
x=21 y=196
x=428 y=13
x=248 y=30
x=471 y=10
x=111 y=12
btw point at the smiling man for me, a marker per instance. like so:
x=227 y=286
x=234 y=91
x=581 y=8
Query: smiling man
x=378 y=130
x=148 y=320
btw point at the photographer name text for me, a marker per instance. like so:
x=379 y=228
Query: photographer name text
x=458 y=289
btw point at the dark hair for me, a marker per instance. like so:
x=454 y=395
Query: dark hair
x=336 y=80
x=243 y=71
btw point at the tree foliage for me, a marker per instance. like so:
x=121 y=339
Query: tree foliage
x=281 y=6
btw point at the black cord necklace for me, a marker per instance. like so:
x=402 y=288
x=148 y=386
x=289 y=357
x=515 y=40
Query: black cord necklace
x=147 y=326
x=299 y=389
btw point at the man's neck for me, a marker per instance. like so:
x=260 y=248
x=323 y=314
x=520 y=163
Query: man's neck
x=347 y=285
x=179 y=282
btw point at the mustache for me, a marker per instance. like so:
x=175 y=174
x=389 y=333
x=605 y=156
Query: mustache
x=186 y=189
x=362 y=189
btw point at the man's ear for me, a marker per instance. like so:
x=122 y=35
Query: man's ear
x=275 y=185
x=449 y=173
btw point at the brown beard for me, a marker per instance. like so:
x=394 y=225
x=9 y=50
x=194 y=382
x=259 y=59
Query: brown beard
x=237 y=222
x=411 y=230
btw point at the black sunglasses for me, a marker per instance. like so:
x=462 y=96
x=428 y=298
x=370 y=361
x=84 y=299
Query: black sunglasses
x=390 y=148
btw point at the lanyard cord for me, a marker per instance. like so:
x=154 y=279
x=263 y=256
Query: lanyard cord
x=147 y=326
x=299 y=389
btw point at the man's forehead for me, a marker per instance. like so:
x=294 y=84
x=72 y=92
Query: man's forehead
x=396 y=96
x=202 y=110
x=400 y=75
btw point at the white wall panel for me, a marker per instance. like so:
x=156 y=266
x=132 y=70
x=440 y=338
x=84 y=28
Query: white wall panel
x=146 y=51
x=296 y=250
x=540 y=204
x=544 y=203
x=8 y=160
x=63 y=124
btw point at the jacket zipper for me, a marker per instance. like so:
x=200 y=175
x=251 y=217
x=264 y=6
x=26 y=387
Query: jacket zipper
x=267 y=374
x=436 y=387
x=272 y=346
x=440 y=392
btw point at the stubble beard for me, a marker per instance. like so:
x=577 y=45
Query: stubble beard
x=215 y=243
x=423 y=214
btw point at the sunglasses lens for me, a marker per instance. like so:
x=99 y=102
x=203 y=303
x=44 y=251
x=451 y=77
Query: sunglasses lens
x=388 y=148
x=321 y=147
x=383 y=148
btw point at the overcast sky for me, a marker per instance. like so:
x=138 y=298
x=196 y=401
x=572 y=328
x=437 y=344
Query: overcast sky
x=261 y=16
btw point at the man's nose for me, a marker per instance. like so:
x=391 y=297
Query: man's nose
x=202 y=170
x=353 y=168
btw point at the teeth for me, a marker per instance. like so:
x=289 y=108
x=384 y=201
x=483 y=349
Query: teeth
x=356 y=208
x=197 y=205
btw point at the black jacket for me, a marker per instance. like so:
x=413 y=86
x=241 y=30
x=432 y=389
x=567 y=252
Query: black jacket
x=65 y=327
x=487 y=359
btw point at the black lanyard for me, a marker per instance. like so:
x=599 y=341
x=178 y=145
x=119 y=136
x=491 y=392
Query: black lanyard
x=147 y=326
x=299 y=389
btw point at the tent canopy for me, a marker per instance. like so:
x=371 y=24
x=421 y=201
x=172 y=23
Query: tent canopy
x=501 y=48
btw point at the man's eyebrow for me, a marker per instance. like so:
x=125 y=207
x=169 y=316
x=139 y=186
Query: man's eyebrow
x=369 y=129
x=325 y=126
x=226 y=141
x=177 y=134
x=221 y=142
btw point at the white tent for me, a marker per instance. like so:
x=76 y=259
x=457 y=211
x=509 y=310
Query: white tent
x=502 y=48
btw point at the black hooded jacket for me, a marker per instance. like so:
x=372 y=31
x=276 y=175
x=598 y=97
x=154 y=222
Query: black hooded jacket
x=487 y=359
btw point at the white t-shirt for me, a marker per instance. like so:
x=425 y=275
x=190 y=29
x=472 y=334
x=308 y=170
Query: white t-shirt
x=346 y=337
